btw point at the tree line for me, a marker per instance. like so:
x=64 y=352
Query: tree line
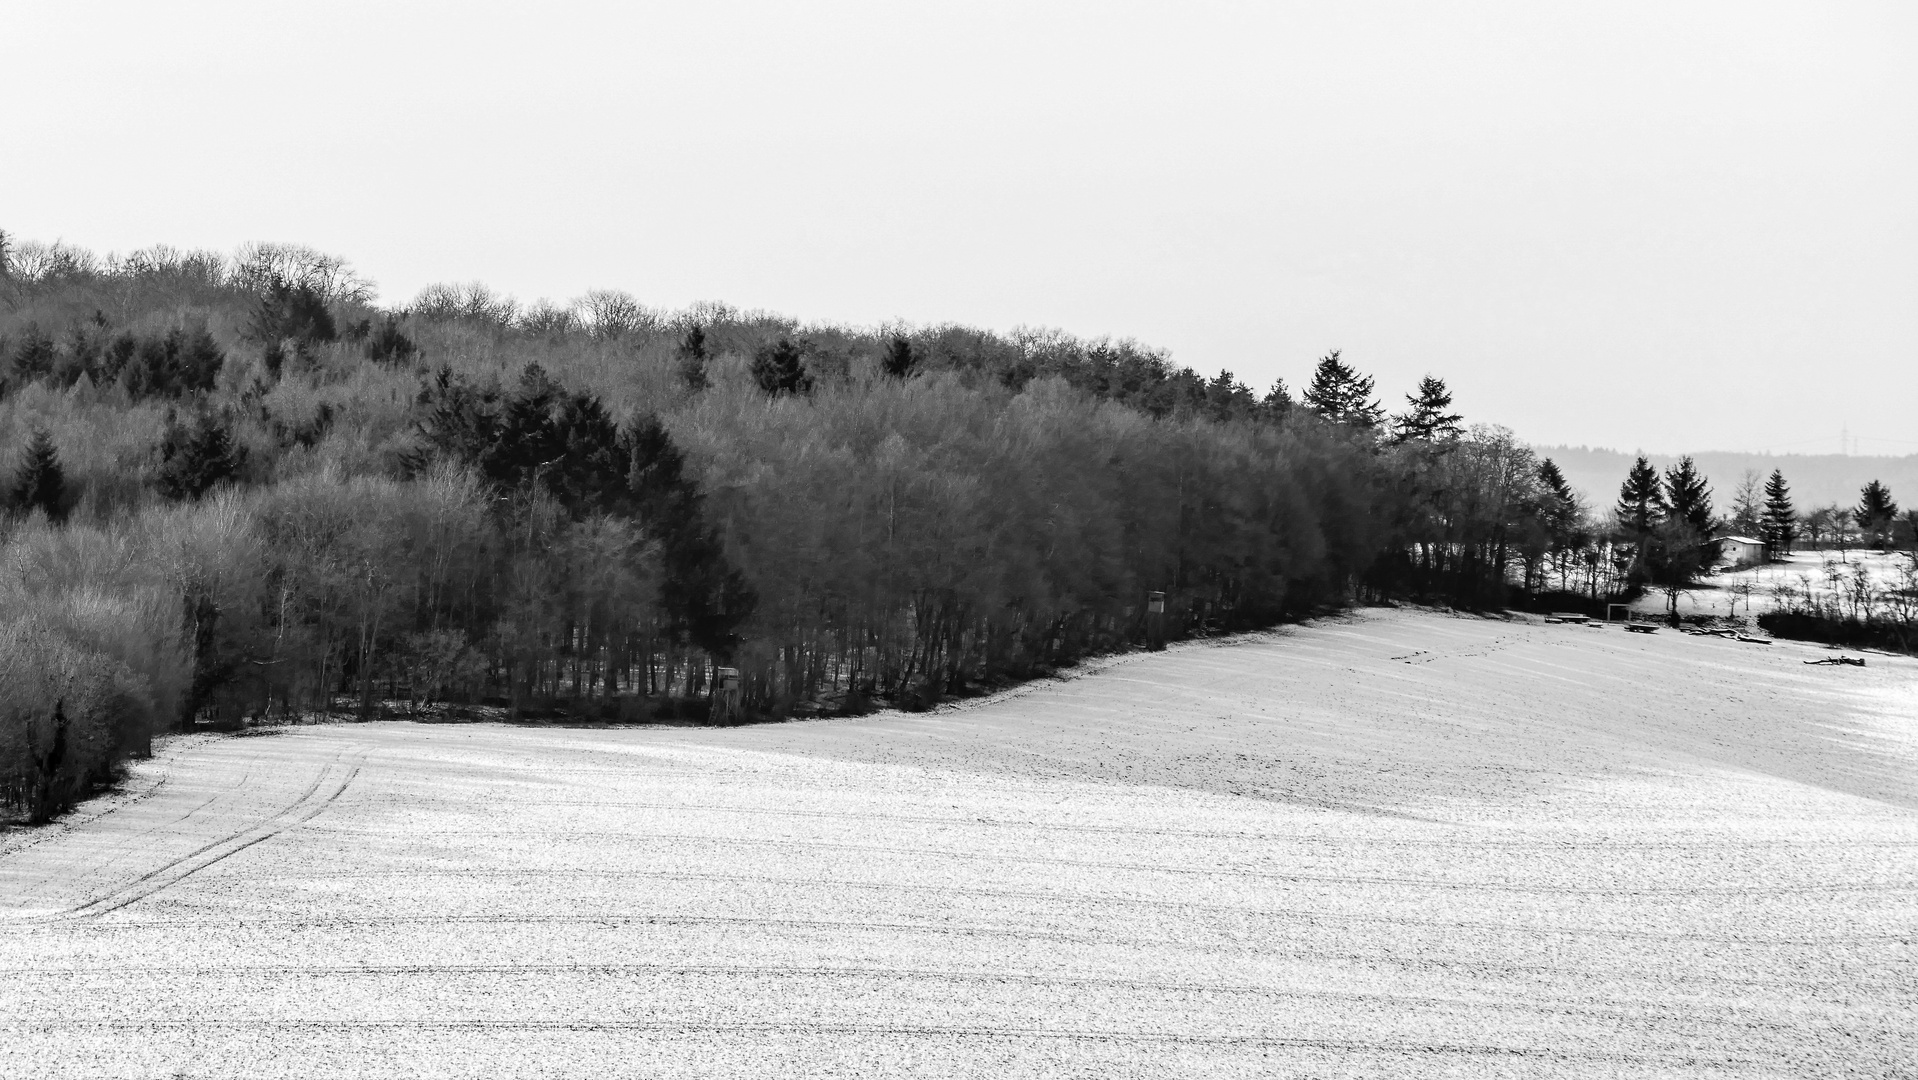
x=307 y=503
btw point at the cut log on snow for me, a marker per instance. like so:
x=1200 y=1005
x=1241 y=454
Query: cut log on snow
x=1848 y=661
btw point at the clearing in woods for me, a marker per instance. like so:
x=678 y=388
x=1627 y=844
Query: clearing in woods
x=1394 y=844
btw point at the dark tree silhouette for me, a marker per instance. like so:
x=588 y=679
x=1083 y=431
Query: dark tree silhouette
x=175 y=364
x=1277 y=402
x=692 y=360
x=1641 y=502
x=900 y=361
x=1426 y=418
x=1874 y=514
x=780 y=369
x=388 y=344
x=1779 y=520
x=39 y=483
x=1341 y=395
x=33 y=356
x=1227 y=398
x=1688 y=501
x=289 y=310
x=198 y=455
x=1640 y=506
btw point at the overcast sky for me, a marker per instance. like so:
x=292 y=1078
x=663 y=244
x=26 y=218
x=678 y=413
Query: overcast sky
x=1670 y=226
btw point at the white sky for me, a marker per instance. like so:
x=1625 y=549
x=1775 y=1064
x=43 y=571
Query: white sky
x=1671 y=226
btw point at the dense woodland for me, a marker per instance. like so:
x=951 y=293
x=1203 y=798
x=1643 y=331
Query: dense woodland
x=237 y=487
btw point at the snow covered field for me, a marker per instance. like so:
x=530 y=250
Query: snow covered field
x=1397 y=844
x=1828 y=575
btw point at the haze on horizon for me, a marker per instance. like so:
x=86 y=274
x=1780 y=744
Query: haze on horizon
x=1641 y=226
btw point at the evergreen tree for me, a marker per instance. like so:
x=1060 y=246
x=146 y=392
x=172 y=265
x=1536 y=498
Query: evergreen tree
x=780 y=369
x=291 y=310
x=705 y=598
x=1641 y=502
x=692 y=360
x=1687 y=496
x=900 y=362
x=1688 y=502
x=39 y=483
x=1874 y=514
x=1559 y=512
x=1340 y=395
x=33 y=357
x=1561 y=502
x=1426 y=419
x=1277 y=402
x=1226 y=397
x=1780 y=521
x=197 y=456
x=387 y=344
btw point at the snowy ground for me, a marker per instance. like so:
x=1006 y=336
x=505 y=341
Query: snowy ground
x=1754 y=589
x=1398 y=844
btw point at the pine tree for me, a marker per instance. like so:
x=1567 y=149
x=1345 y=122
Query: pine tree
x=1559 y=510
x=692 y=360
x=1874 y=514
x=33 y=357
x=1780 y=519
x=780 y=369
x=291 y=310
x=1340 y=395
x=1688 y=505
x=197 y=456
x=1427 y=419
x=1226 y=397
x=1641 y=502
x=39 y=483
x=1277 y=402
x=900 y=362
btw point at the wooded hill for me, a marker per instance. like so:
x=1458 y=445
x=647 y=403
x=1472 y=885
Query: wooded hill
x=239 y=487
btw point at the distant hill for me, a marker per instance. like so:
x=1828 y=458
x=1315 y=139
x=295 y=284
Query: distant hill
x=1815 y=479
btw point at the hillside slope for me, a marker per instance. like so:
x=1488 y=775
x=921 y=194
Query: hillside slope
x=1396 y=844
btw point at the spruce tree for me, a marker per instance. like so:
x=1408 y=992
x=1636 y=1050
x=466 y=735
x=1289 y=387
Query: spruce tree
x=1426 y=419
x=1874 y=514
x=1688 y=503
x=1559 y=508
x=197 y=456
x=692 y=360
x=33 y=357
x=1341 y=395
x=39 y=483
x=900 y=362
x=780 y=369
x=1641 y=502
x=1780 y=519
x=1277 y=402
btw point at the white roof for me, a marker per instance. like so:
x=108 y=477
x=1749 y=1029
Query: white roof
x=1742 y=540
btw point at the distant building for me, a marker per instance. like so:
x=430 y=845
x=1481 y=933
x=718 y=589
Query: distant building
x=1740 y=551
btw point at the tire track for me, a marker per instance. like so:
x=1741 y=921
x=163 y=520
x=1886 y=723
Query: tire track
x=1183 y=906
x=1302 y=839
x=1620 y=1008
x=789 y=1030
x=326 y=787
x=1226 y=872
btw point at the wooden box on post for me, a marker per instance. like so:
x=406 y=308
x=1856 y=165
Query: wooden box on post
x=725 y=695
x=1155 y=621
